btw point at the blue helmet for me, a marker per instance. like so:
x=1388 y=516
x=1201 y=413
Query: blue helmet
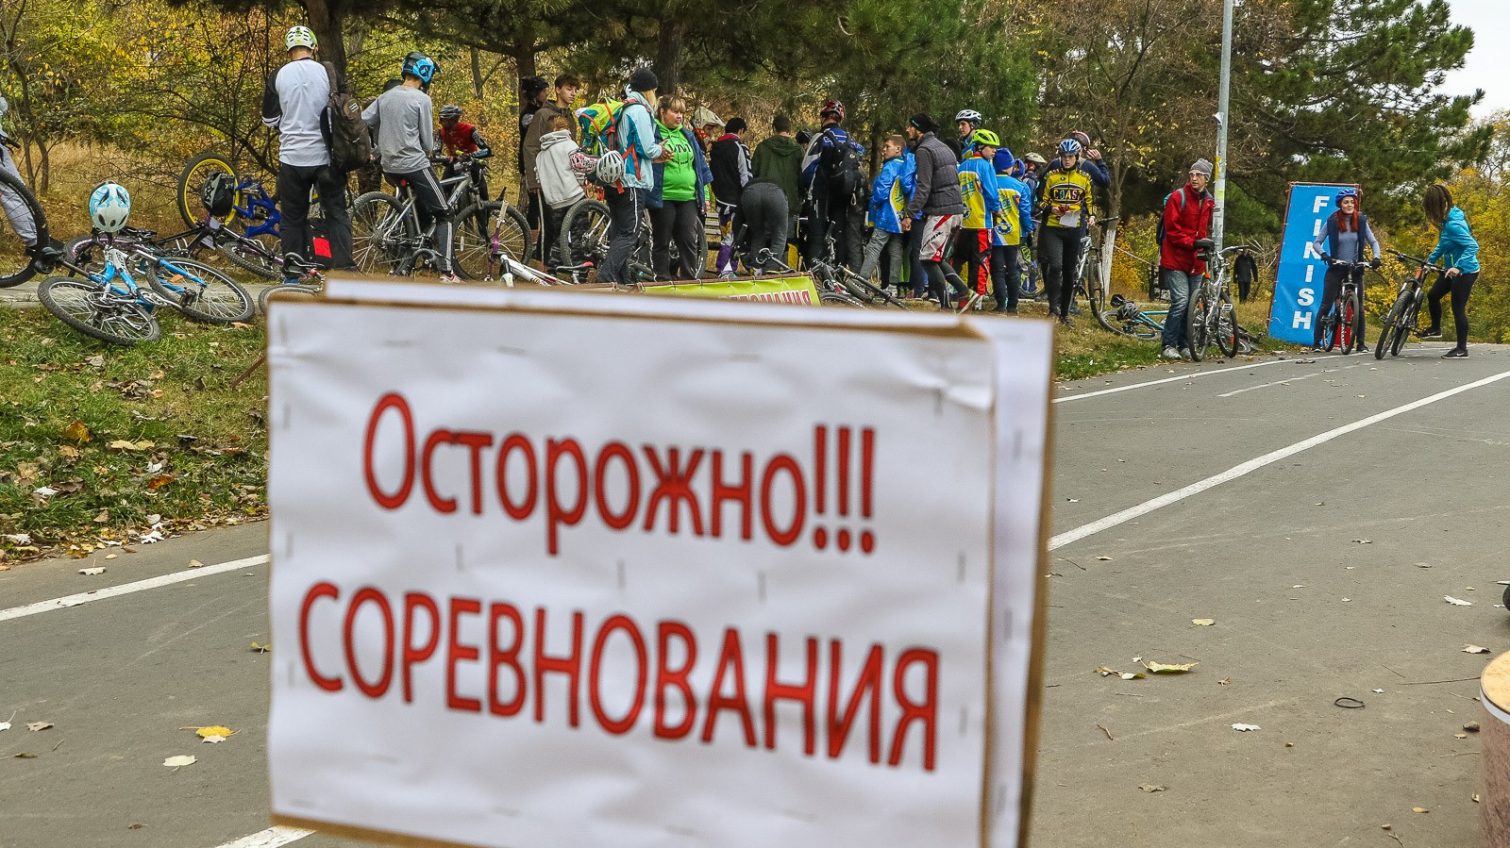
x=421 y=66
x=1348 y=192
x=1070 y=147
x=1004 y=161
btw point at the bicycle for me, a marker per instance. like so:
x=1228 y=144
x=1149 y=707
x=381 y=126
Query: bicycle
x=192 y=287
x=386 y=229
x=830 y=291
x=1399 y=322
x=1344 y=316
x=254 y=209
x=1097 y=290
x=1210 y=314
x=1126 y=318
x=18 y=261
x=587 y=230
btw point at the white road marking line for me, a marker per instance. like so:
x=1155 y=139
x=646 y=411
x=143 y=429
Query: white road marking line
x=270 y=838
x=1287 y=382
x=127 y=588
x=1176 y=379
x=1253 y=465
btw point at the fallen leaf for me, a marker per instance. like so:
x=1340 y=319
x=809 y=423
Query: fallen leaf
x=1475 y=797
x=1104 y=558
x=1169 y=668
x=78 y=432
x=1289 y=744
x=194 y=563
x=180 y=761
x=103 y=517
x=1073 y=500
x=260 y=648
x=26 y=756
x=127 y=445
x=4 y=726
x=1460 y=736
x=18 y=538
x=1423 y=565
x=1131 y=675
x=1100 y=669
x=1225 y=681
x=1203 y=622
x=1347 y=600
x=1150 y=787
x=214 y=730
x=160 y=481
x=1244 y=728
x=1471 y=727
x=215 y=739
x=91 y=572
x=1457 y=602
x=1363 y=541
x=1386 y=827
x=1475 y=649
x=96 y=361
x=35 y=726
x=1378 y=691
x=1419 y=810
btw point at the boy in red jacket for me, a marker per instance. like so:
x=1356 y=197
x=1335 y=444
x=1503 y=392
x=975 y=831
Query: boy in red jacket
x=1187 y=219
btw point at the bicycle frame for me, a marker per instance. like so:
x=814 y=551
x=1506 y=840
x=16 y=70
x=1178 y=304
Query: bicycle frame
x=1331 y=321
x=260 y=210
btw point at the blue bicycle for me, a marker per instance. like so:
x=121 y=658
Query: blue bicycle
x=109 y=304
x=253 y=211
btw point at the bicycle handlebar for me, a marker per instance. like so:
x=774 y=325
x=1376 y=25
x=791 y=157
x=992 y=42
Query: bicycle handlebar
x=1416 y=260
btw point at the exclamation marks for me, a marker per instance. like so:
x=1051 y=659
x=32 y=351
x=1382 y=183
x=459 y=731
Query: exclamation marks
x=845 y=466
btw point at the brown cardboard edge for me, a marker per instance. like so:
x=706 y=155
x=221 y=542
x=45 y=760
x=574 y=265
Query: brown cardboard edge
x=353 y=832
x=1040 y=613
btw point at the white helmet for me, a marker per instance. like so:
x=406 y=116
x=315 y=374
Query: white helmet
x=109 y=207
x=299 y=36
x=969 y=115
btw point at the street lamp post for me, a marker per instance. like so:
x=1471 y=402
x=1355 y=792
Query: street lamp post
x=1218 y=218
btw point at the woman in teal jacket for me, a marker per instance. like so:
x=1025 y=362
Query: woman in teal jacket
x=1456 y=249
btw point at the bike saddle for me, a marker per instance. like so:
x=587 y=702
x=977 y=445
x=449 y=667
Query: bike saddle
x=1204 y=244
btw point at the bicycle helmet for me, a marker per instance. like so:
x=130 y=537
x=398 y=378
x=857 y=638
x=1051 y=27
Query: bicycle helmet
x=109 y=207
x=1070 y=147
x=832 y=107
x=1349 y=192
x=450 y=112
x=1035 y=158
x=421 y=67
x=970 y=116
x=985 y=138
x=218 y=194
x=1085 y=140
x=300 y=36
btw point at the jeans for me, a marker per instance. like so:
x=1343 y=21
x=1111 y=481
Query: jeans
x=294 y=183
x=626 y=210
x=1180 y=284
x=883 y=242
x=1004 y=275
x=763 y=210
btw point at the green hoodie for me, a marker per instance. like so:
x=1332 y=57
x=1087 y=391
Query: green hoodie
x=778 y=159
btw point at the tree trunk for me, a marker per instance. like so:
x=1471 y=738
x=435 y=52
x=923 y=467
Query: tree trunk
x=668 y=56
x=326 y=19
x=44 y=177
x=476 y=73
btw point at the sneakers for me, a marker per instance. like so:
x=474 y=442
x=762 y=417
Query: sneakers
x=1430 y=334
x=1456 y=353
x=1065 y=322
x=968 y=304
x=1317 y=349
x=1169 y=353
x=1185 y=354
x=450 y=279
x=1003 y=309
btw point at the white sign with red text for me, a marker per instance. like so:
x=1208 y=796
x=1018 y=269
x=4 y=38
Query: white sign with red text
x=555 y=579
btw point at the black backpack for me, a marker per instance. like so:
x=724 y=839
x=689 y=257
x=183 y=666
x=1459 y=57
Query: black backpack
x=218 y=194
x=350 y=140
x=1158 y=236
x=842 y=170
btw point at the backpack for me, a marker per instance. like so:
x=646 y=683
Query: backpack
x=597 y=126
x=218 y=194
x=350 y=140
x=1158 y=236
x=842 y=172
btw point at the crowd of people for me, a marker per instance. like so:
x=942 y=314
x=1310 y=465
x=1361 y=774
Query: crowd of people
x=950 y=220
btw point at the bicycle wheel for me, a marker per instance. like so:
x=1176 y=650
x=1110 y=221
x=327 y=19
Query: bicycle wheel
x=377 y=231
x=16 y=265
x=1329 y=329
x=248 y=257
x=84 y=252
x=85 y=306
x=1406 y=324
x=833 y=298
x=191 y=181
x=1347 y=323
x=201 y=292
x=1388 y=326
x=282 y=292
x=1195 y=324
x=1226 y=327
x=584 y=234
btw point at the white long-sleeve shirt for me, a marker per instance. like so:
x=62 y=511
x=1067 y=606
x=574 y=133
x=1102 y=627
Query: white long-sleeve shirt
x=303 y=89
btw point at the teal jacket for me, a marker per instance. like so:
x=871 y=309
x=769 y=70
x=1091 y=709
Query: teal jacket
x=1456 y=246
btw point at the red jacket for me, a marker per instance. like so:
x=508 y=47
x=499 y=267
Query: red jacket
x=1187 y=218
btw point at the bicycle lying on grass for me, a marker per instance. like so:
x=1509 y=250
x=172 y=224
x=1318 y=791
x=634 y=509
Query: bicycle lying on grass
x=1399 y=322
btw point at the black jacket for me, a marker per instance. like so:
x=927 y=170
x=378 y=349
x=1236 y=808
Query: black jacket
x=730 y=163
x=937 y=190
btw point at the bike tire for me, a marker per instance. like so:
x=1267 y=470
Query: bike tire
x=833 y=298
x=472 y=256
x=77 y=303
x=267 y=294
x=83 y=252
x=1329 y=329
x=1195 y=325
x=1406 y=324
x=1346 y=324
x=192 y=178
x=16 y=265
x=372 y=242
x=1226 y=327
x=1389 y=325
x=214 y=298
x=585 y=233
x=248 y=260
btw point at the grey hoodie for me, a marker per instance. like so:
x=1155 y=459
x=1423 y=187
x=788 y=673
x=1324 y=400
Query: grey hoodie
x=404 y=122
x=558 y=185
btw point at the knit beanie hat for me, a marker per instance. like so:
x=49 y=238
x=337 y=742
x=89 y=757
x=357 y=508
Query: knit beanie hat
x=923 y=122
x=643 y=79
x=1201 y=166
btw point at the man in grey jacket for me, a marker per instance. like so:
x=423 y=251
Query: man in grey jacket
x=936 y=200
x=404 y=122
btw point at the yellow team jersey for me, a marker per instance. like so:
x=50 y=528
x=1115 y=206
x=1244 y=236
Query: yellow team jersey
x=1008 y=228
x=1068 y=195
x=974 y=198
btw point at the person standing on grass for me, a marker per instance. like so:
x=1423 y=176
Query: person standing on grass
x=1187 y=220
x=679 y=199
x=1013 y=227
x=730 y=163
x=293 y=103
x=1457 y=248
x=778 y=160
x=1245 y=269
x=567 y=87
x=935 y=208
x=889 y=195
x=628 y=198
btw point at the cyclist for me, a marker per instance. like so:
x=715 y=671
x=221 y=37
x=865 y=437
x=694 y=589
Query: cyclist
x=20 y=216
x=967 y=122
x=1458 y=249
x=1342 y=239
x=1064 y=201
x=460 y=140
x=402 y=119
x=831 y=188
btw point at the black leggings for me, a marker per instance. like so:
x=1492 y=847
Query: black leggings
x=1460 y=286
x=1059 y=253
x=1331 y=287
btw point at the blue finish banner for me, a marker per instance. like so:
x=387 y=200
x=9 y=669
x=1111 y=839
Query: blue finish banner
x=1300 y=271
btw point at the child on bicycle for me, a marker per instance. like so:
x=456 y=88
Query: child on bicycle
x=1342 y=240
x=404 y=121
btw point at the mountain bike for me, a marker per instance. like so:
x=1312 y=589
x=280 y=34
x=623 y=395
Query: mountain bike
x=1399 y=322
x=1127 y=318
x=486 y=232
x=830 y=291
x=18 y=262
x=1095 y=286
x=1344 y=316
x=192 y=287
x=254 y=211
x=1210 y=315
x=587 y=230
x=386 y=231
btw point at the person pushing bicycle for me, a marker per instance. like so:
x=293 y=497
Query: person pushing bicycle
x=1340 y=244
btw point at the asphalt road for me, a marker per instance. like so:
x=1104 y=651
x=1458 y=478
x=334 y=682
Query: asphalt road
x=1310 y=556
